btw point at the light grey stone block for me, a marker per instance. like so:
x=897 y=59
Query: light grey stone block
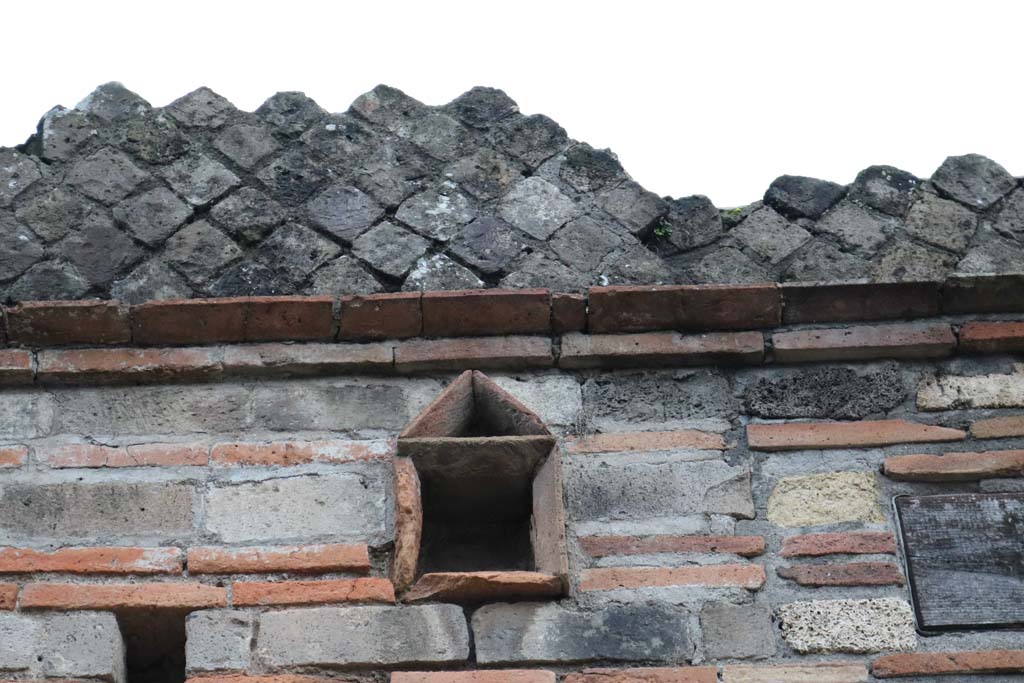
x=854 y=626
x=218 y=640
x=81 y=645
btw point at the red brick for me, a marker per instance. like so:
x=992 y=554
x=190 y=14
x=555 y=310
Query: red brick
x=486 y=312
x=307 y=359
x=912 y=340
x=795 y=436
x=998 y=427
x=502 y=353
x=568 y=312
x=815 y=302
x=255 y=593
x=749 y=576
x=676 y=674
x=299 y=559
x=136 y=455
x=684 y=307
x=605 y=546
x=8 y=596
x=955 y=466
x=646 y=441
x=380 y=316
x=482 y=587
x=111 y=596
x=839 y=543
x=296 y=318
x=128 y=364
x=947 y=663
x=13 y=456
x=496 y=676
x=408 y=523
x=849 y=574
x=796 y=673
x=270 y=678
x=983 y=293
x=54 y=323
x=190 y=321
x=15 y=366
x=99 y=560
x=287 y=453
x=659 y=349
x=992 y=337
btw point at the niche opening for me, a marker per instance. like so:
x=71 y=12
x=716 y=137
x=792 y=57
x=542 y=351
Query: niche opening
x=154 y=641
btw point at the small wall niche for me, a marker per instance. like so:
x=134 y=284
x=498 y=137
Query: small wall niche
x=154 y=640
x=482 y=515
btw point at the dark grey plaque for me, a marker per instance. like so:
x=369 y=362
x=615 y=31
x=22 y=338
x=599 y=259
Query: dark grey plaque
x=965 y=559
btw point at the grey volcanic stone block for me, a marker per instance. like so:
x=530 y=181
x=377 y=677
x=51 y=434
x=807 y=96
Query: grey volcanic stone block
x=202 y=108
x=537 y=207
x=113 y=102
x=344 y=275
x=834 y=392
x=973 y=180
x=48 y=281
x=199 y=180
x=736 y=631
x=438 y=272
x=904 y=260
x=437 y=213
x=246 y=144
x=61 y=132
x=290 y=112
x=531 y=139
x=586 y=169
x=53 y=214
x=623 y=401
x=488 y=244
x=633 y=206
x=859 y=228
x=941 y=222
x=218 y=640
x=294 y=177
x=821 y=261
x=246 y=278
x=540 y=270
x=155 y=138
x=482 y=107
x=536 y=633
x=691 y=222
x=347 y=506
x=769 y=235
x=992 y=254
x=19 y=248
x=390 y=249
x=728 y=266
x=248 y=214
x=152 y=216
x=200 y=252
x=18 y=636
x=99 y=251
x=294 y=251
x=94 y=511
x=75 y=645
x=885 y=188
x=17 y=173
x=354 y=637
x=802 y=197
x=345 y=212
x=150 y=281
x=1009 y=222
x=106 y=175
x=485 y=174
x=586 y=242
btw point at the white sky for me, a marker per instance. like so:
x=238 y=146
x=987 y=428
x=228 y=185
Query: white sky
x=714 y=98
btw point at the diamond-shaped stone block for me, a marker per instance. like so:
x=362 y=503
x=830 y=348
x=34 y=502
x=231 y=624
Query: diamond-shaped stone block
x=294 y=251
x=106 y=175
x=150 y=281
x=98 y=250
x=973 y=180
x=19 y=248
x=769 y=235
x=485 y=174
x=633 y=206
x=390 y=249
x=437 y=213
x=53 y=214
x=152 y=216
x=246 y=144
x=292 y=113
x=199 y=180
x=537 y=207
x=343 y=275
x=294 y=177
x=49 y=280
x=113 y=102
x=200 y=252
x=62 y=131
x=438 y=273
x=344 y=211
x=17 y=173
x=201 y=108
x=488 y=244
x=248 y=214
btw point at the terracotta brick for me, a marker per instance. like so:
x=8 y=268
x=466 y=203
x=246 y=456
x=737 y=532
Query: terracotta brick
x=795 y=436
x=685 y=307
x=380 y=316
x=55 y=323
x=948 y=663
x=98 y=560
x=501 y=353
x=307 y=359
x=839 y=543
x=568 y=312
x=646 y=441
x=270 y=678
x=998 y=427
x=15 y=366
x=128 y=364
x=497 y=676
x=136 y=455
x=749 y=576
x=816 y=302
x=955 y=466
x=660 y=349
x=294 y=318
x=8 y=596
x=796 y=673
x=983 y=293
x=992 y=337
x=849 y=574
x=481 y=587
x=676 y=674
x=605 y=546
x=298 y=559
x=408 y=523
x=486 y=312
x=111 y=596
x=190 y=321
x=13 y=456
x=255 y=593
x=912 y=340
x=287 y=453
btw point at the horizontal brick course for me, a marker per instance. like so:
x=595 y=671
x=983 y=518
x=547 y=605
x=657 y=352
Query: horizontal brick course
x=366 y=590
x=992 y=337
x=646 y=441
x=56 y=323
x=983 y=293
x=189 y=321
x=814 y=302
x=660 y=348
x=327 y=557
x=13 y=456
x=955 y=466
x=128 y=364
x=269 y=678
x=793 y=436
x=480 y=587
x=298 y=318
x=848 y=574
x=605 y=546
x=683 y=307
x=568 y=313
x=839 y=543
x=473 y=353
x=998 y=427
x=676 y=674
x=373 y=317
x=796 y=673
x=749 y=576
x=112 y=596
x=476 y=312
x=15 y=366
x=137 y=455
x=99 y=560
x=287 y=453
x=8 y=596
x=501 y=676
x=307 y=359
x=864 y=342
x=949 y=663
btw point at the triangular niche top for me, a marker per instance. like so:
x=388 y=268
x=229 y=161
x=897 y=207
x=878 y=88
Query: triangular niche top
x=474 y=406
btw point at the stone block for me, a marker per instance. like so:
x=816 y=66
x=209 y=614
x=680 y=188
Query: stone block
x=19 y=248
x=860 y=229
x=556 y=399
x=17 y=173
x=106 y=175
x=218 y=640
x=199 y=180
x=152 y=216
x=537 y=207
x=83 y=645
x=852 y=626
x=973 y=180
x=18 y=636
x=625 y=401
x=357 y=637
x=736 y=631
x=947 y=392
x=839 y=393
x=802 y=197
x=829 y=498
